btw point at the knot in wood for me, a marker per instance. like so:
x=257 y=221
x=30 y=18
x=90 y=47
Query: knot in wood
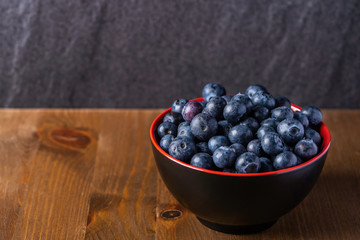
x=171 y=214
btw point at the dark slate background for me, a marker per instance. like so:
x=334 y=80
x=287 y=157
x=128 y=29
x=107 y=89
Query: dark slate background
x=132 y=53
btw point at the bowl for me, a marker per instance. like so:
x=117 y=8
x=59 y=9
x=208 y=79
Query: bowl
x=233 y=202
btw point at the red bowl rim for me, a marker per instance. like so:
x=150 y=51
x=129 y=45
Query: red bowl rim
x=324 y=132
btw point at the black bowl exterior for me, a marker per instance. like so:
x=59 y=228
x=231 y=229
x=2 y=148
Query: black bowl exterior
x=236 y=200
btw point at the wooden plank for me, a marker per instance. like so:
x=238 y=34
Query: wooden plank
x=124 y=185
x=55 y=203
x=18 y=146
x=330 y=211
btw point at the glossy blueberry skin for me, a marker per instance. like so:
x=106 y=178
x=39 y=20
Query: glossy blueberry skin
x=224 y=127
x=167 y=128
x=243 y=98
x=185 y=131
x=224 y=157
x=247 y=163
x=254 y=146
x=234 y=111
x=202 y=160
x=313 y=135
x=263 y=130
x=178 y=105
x=240 y=134
x=183 y=124
x=203 y=147
x=282 y=101
x=260 y=113
x=203 y=126
x=266 y=165
x=238 y=148
x=302 y=118
x=215 y=107
x=252 y=89
x=313 y=114
x=263 y=99
x=306 y=149
x=281 y=113
x=272 y=143
x=191 y=109
x=291 y=131
x=251 y=123
x=212 y=90
x=285 y=159
x=217 y=141
x=270 y=122
x=182 y=149
x=165 y=142
x=173 y=117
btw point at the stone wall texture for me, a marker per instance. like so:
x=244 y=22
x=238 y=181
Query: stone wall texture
x=145 y=54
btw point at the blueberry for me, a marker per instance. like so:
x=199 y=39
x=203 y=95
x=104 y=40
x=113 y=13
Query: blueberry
x=217 y=141
x=282 y=101
x=183 y=124
x=281 y=113
x=313 y=114
x=178 y=105
x=247 y=163
x=173 y=117
x=224 y=157
x=266 y=165
x=203 y=147
x=182 y=149
x=260 y=113
x=302 y=118
x=272 y=143
x=213 y=90
x=233 y=111
x=263 y=130
x=167 y=128
x=306 y=149
x=243 y=98
x=165 y=142
x=285 y=159
x=203 y=126
x=252 y=89
x=240 y=134
x=314 y=135
x=190 y=110
x=291 y=131
x=263 y=99
x=270 y=122
x=215 y=107
x=202 y=160
x=227 y=98
x=185 y=131
x=251 y=123
x=254 y=146
x=238 y=148
x=224 y=127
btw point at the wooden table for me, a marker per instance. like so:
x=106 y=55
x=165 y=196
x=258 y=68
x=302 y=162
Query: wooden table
x=75 y=174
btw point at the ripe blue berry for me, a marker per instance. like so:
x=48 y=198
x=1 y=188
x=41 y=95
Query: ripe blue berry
x=240 y=134
x=182 y=149
x=190 y=110
x=167 y=128
x=212 y=90
x=234 y=111
x=306 y=149
x=291 y=131
x=203 y=126
x=202 y=160
x=224 y=157
x=217 y=141
x=247 y=163
x=285 y=159
x=272 y=143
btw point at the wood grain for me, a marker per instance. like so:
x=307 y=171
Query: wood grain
x=90 y=174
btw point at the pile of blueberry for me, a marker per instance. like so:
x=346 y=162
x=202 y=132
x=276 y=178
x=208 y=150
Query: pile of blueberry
x=245 y=133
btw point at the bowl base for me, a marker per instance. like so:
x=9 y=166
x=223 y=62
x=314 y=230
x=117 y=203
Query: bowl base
x=242 y=229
